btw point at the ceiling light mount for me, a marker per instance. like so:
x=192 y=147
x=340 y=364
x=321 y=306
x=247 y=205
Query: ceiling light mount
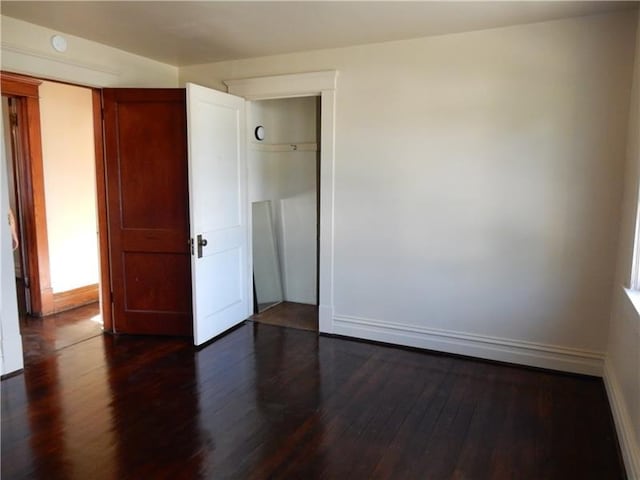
x=59 y=43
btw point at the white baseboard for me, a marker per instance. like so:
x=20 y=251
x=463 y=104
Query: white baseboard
x=492 y=348
x=626 y=436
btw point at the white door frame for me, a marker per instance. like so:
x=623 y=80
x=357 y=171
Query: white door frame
x=322 y=84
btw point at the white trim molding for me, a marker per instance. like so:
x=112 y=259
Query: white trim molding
x=55 y=57
x=624 y=426
x=481 y=346
x=20 y=60
x=284 y=86
x=324 y=85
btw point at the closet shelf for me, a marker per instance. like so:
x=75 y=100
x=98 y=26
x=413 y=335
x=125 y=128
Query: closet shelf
x=284 y=147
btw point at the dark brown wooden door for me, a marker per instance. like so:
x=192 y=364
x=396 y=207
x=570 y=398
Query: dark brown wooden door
x=147 y=199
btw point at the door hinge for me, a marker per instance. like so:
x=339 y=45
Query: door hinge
x=111 y=296
x=13 y=119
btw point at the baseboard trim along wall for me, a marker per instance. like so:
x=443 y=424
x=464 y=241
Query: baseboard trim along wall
x=75 y=298
x=624 y=426
x=492 y=348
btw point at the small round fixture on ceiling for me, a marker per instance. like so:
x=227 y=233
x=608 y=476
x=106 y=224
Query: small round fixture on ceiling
x=59 y=43
x=259 y=132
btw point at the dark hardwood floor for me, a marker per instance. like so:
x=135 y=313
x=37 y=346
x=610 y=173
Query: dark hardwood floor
x=290 y=314
x=271 y=402
x=42 y=336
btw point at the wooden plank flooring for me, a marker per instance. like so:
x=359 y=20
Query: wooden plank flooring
x=42 y=336
x=271 y=402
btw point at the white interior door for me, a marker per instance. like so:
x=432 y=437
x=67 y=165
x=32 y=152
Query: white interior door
x=218 y=211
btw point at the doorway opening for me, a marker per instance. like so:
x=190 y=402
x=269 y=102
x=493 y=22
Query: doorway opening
x=50 y=153
x=14 y=156
x=284 y=192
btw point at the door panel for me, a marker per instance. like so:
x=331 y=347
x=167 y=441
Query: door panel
x=147 y=199
x=218 y=209
x=156 y=293
x=152 y=149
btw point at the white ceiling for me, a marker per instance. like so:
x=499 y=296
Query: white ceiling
x=184 y=33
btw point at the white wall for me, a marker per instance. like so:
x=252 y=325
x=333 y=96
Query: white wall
x=289 y=180
x=10 y=339
x=622 y=374
x=68 y=158
x=477 y=185
x=26 y=49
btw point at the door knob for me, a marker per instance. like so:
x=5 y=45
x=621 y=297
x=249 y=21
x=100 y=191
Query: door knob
x=202 y=242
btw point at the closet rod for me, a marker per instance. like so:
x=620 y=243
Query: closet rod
x=284 y=147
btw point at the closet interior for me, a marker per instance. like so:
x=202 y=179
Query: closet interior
x=284 y=159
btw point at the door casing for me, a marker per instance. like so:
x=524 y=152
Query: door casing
x=323 y=85
x=31 y=187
